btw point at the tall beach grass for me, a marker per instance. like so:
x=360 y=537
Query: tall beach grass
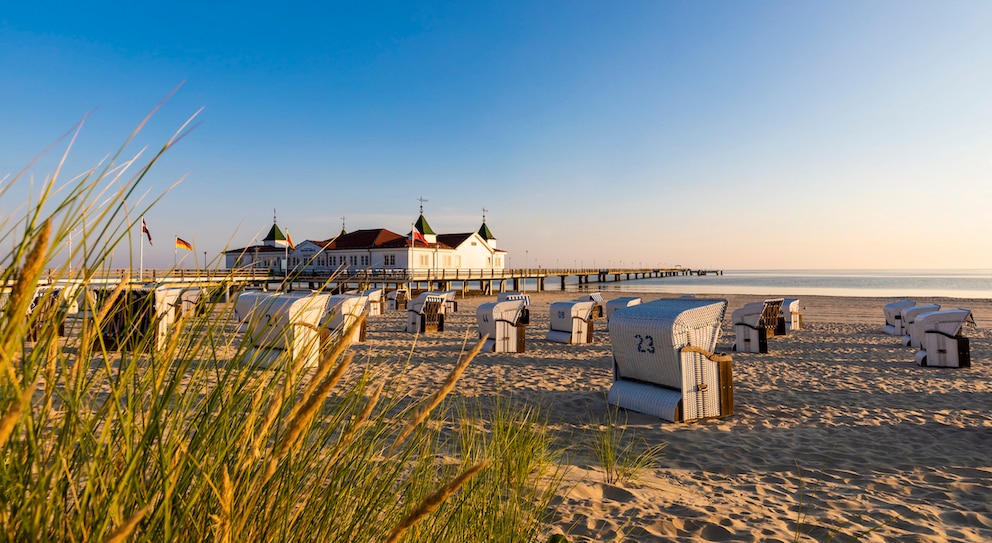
x=194 y=441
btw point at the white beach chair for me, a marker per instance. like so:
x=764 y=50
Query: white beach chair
x=511 y=296
x=755 y=322
x=912 y=334
x=502 y=322
x=571 y=322
x=791 y=314
x=943 y=344
x=663 y=361
x=377 y=303
x=396 y=300
x=425 y=313
x=450 y=303
x=285 y=325
x=893 y=317
x=343 y=313
x=599 y=307
x=618 y=303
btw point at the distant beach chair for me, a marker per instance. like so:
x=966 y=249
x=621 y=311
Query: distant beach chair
x=450 y=302
x=755 y=322
x=396 y=300
x=278 y=324
x=663 y=360
x=912 y=335
x=571 y=322
x=343 y=313
x=143 y=317
x=943 y=343
x=893 y=317
x=599 y=309
x=511 y=296
x=425 y=313
x=791 y=314
x=502 y=322
x=377 y=303
x=618 y=303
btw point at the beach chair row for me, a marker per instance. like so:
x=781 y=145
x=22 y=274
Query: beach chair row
x=937 y=334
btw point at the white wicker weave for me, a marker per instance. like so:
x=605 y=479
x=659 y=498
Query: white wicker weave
x=343 y=312
x=571 y=321
x=792 y=314
x=893 y=316
x=501 y=322
x=417 y=307
x=652 y=372
x=912 y=334
x=943 y=344
x=281 y=322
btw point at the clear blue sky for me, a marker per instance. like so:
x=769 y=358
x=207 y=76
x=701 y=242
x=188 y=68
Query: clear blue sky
x=717 y=134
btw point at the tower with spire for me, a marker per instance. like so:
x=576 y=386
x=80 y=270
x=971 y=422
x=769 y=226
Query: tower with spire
x=423 y=227
x=275 y=237
x=485 y=233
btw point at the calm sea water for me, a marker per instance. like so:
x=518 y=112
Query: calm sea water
x=864 y=283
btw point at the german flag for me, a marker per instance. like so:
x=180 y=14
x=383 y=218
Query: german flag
x=180 y=244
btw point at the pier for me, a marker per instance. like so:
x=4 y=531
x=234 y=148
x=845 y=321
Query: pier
x=469 y=281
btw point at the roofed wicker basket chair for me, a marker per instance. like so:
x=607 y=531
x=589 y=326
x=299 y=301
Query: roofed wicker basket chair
x=943 y=343
x=912 y=334
x=755 y=322
x=344 y=316
x=893 y=316
x=143 y=317
x=619 y=303
x=425 y=313
x=571 y=321
x=504 y=324
x=792 y=314
x=663 y=360
x=277 y=324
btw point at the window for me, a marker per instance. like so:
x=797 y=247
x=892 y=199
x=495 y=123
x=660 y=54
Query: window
x=365 y=260
x=425 y=261
x=389 y=260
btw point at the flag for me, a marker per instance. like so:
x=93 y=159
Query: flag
x=144 y=230
x=289 y=240
x=180 y=244
x=417 y=235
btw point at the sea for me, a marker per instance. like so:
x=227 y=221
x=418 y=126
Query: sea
x=975 y=283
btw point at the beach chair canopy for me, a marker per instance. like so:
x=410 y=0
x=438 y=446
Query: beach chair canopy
x=277 y=320
x=947 y=322
x=488 y=314
x=619 y=303
x=508 y=296
x=893 y=311
x=564 y=313
x=648 y=338
x=912 y=333
x=344 y=309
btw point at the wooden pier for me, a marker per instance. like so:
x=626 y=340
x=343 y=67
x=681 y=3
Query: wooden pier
x=469 y=281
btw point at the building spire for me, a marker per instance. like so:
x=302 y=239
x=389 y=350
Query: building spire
x=274 y=216
x=422 y=200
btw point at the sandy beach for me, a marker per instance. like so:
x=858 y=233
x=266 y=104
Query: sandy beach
x=835 y=420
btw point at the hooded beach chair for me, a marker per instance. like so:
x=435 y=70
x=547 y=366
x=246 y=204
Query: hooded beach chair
x=511 y=296
x=571 y=322
x=912 y=335
x=287 y=324
x=425 y=313
x=377 y=303
x=618 y=303
x=599 y=309
x=791 y=314
x=502 y=322
x=893 y=317
x=396 y=300
x=344 y=311
x=755 y=322
x=663 y=361
x=943 y=344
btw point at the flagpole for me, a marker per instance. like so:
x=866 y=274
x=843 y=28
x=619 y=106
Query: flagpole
x=141 y=253
x=175 y=254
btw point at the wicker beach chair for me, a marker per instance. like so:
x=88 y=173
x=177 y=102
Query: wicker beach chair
x=943 y=343
x=663 y=361
x=511 y=296
x=501 y=321
x=598 y=310
x=396 y=300
x=912 y=335
x=893 y=317
x=618 y=303
x=755 y=322
x=791 y=314
x=377 y=302
x=571 y=322
x=425 y=313
x=279 y=324
x=344 y=317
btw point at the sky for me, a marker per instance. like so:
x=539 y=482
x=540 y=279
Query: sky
x=713 y=135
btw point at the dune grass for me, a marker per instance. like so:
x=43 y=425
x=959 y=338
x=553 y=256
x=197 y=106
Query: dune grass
x=194 y=442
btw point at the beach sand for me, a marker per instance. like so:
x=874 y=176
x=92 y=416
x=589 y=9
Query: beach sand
x=836 y=426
